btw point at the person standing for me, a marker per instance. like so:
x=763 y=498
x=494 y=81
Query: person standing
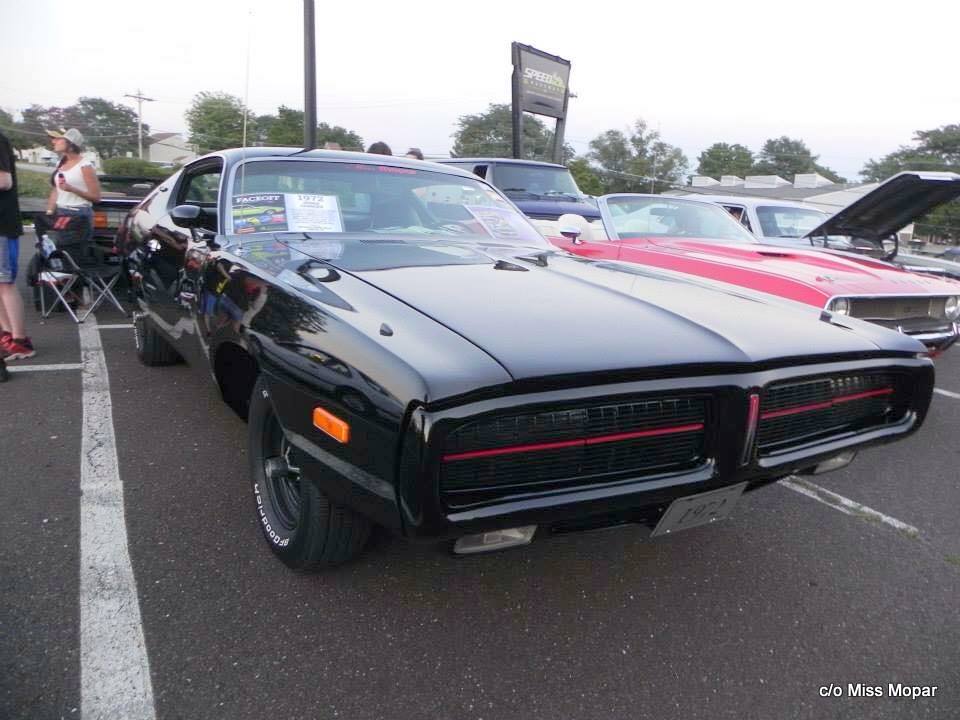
x=75 y=184
x=14 y=343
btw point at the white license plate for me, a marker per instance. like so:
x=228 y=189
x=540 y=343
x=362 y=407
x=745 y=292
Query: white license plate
x=694 y=510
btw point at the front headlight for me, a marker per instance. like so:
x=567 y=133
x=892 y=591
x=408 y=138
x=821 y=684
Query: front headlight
x=952 y=307
x=841 y=306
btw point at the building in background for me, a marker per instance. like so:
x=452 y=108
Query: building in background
x=169 y=148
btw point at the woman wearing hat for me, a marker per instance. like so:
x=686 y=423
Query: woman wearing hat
x=75 y=184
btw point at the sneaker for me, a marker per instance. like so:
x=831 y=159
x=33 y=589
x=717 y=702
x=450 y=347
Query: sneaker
x=17 y=349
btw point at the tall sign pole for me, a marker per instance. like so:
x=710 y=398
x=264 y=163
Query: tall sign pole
x=309 y=77
x=140 y=100
x=516 y=105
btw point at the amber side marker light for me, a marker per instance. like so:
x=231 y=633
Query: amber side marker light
x=333 y=426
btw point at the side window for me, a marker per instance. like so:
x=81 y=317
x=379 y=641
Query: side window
x=739 y=213
x=480 y=171
x=201 y=189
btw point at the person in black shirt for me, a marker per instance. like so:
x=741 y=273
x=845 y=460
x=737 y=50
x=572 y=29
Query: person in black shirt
x=14 y=344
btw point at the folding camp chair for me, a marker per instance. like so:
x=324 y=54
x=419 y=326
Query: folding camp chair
x=70 y=261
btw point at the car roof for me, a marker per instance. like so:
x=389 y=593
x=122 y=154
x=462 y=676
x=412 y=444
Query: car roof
x=503 y=161
x=234 y=155
x=749 y=201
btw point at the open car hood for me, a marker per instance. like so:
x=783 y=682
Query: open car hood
x=892 y=206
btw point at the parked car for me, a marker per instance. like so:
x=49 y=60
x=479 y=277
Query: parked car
x=410 y=352
x=542 y=191
x=868 y=226
x=700 y=238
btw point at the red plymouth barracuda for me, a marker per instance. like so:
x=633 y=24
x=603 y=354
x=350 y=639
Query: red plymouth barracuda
x=700 y=238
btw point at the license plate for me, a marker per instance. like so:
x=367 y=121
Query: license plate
x=700 y=509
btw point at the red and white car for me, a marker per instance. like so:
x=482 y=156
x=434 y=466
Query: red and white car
x=701 y=238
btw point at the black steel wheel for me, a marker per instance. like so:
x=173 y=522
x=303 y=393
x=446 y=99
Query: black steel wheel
x=302 y=526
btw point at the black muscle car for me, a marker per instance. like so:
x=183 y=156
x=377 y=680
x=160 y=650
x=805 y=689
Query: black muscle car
x=409 y=352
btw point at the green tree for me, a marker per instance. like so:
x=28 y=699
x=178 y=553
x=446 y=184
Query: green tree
x=937 y=149
x=215 y=120
x=108 y=127
x=347 y=139
x=14 y=132
x=587 y=180
x=286 y=128
x=637 y=162
x=725 y=159
x=788 y=157
x=490 y=134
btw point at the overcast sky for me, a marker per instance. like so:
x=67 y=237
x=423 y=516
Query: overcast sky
x=853 y=79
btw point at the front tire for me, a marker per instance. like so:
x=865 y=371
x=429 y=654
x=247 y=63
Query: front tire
x=302 y=526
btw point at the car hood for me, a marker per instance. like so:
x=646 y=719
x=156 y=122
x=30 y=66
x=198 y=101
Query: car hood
x=892 y=206
x=540 y=312
x=805 y=275
x=556 y=208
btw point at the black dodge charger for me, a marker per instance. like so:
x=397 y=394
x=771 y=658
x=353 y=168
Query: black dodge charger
x=409 y=352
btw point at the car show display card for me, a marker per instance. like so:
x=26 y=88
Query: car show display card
x=313 y=213
x=283 y=212
x=259 y=212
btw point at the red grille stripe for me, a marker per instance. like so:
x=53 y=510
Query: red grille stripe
x=581 y=442
x=825 y=405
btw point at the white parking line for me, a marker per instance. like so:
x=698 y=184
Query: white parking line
x=846 y=505
x=43 y=368
x=947 y=393
x=114 y=669
x=118 y=326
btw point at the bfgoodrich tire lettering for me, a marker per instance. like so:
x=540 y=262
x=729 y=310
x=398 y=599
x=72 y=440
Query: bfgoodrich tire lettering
x=152 y=348
x=302 y=526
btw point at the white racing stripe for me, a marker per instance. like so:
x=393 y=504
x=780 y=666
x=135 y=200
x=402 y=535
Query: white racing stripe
x=114 y=670
x=947 y=393
x=43 y=368
x=846 y=505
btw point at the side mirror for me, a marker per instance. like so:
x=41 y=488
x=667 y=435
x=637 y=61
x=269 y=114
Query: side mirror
x=572 y=233
x=187 y=216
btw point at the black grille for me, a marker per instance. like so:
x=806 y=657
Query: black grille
x=798 y=412
x=537 y=451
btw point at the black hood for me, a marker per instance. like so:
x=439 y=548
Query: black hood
x=892 y=206
x=539 y=312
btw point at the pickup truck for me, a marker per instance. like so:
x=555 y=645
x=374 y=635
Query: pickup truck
x=541 y=191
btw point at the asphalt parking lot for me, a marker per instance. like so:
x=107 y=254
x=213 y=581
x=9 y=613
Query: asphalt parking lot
x=753 y=618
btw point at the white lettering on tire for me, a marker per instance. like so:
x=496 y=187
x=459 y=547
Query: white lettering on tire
x=274 y=536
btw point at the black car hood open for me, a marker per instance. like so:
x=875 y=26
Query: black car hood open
x=539 y=312
x=892 y=206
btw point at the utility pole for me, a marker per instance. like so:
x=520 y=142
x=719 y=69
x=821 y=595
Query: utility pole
x=140 y=100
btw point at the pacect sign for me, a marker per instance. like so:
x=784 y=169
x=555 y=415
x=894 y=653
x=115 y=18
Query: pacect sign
x=543 y=82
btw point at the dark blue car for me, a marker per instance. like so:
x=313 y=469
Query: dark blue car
x=542 y=191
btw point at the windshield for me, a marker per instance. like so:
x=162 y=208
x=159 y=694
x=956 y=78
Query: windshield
x=635 y=217
x=318 y=196
x=788 y=222
x=540 y=181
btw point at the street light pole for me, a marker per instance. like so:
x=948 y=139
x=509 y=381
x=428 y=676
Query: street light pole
x=140 y=100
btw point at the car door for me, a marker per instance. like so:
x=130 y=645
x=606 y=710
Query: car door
x=179 y=254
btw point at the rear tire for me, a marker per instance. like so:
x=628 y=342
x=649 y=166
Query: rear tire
x=152 y=348
x=303 y=527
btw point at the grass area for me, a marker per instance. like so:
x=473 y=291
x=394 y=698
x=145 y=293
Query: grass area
x=31 y=183
x=953 y=560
